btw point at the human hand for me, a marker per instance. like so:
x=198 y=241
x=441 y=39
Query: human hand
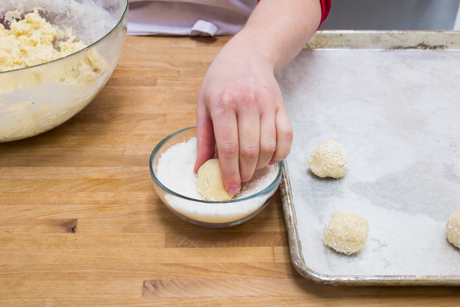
x=240 y=108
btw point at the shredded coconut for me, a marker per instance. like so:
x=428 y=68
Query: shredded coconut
x=175 y=171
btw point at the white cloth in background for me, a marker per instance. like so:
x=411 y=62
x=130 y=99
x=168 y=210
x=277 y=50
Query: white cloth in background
x=188 y=17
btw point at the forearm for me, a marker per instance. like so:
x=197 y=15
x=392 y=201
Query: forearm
x=278 y=30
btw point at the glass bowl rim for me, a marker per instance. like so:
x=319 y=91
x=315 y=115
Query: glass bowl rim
x=163 y=187
x=81 y=50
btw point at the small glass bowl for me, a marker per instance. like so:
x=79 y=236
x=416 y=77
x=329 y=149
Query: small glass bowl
x=214 y=214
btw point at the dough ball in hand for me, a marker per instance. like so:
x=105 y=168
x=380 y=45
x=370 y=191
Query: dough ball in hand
x=346 y=232
x=210 y=184
x=453 y=228
x=328 y=160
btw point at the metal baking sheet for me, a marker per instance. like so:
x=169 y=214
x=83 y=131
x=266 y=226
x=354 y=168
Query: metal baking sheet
x=392 y=99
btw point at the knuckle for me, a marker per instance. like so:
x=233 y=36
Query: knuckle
x=287 y=132
x=250 y=152
x=222 y=102
x=246 y=94
x=227 y=98
x=228 y=149
x=268 y=148
x=233 y=97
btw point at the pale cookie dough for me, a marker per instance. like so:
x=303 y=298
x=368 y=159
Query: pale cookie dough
x=32 y=41
x=328 y=160
x=210 y=184
x=453 y=228
x=346 y=232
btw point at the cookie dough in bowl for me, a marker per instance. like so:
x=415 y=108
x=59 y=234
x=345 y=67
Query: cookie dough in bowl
x=55 y=56
x=171 y=168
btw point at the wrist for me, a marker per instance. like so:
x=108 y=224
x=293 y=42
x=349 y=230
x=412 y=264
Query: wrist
x=246 y=44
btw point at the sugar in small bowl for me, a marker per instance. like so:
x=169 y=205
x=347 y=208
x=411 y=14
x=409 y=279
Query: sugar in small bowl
x=171 y=168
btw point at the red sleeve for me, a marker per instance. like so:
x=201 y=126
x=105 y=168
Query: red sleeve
x=325 y=8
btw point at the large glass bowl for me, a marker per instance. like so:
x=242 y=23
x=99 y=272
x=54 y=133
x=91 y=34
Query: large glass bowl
x=208 y=213
x=38 y=98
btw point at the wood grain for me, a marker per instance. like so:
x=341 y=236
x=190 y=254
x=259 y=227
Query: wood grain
x=226 y=239
x=14 y=226
x=81 y=225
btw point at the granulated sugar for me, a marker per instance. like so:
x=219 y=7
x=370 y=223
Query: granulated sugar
x=175 y=171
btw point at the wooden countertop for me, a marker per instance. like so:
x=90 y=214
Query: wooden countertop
x=81 y=225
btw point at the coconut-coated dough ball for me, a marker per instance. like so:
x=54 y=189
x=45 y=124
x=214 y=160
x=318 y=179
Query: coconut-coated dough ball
x=346 y=232
x=453 y=228
x=328 y=160
x=210 y=184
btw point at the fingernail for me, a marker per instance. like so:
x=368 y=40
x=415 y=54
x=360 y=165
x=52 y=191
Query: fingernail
x=234 y=189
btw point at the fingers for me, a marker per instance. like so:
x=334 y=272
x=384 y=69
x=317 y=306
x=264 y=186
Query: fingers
x=249 y=135
x=248 y=132
x=226 y=133
x=284 y=136
x=267 y=146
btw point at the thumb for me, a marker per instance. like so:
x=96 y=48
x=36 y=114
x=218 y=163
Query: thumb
x=205 y=138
